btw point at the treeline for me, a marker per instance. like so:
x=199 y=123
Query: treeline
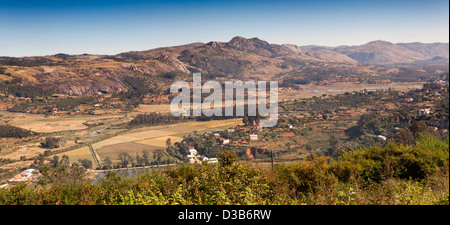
x=27 y=91
x=8 y=131
x=246 y=119
x=375 y=128
x=45 y=106
x=126 y=160
x=292 y=82
x=374 y=123
x=330 y=104
x=17 y=88
x=392 y=175
x=71 y=103
x=154 y=118
x=138 y=87
x=440 y=117
x=412 y=74
x=27 y=61
x=206 y=146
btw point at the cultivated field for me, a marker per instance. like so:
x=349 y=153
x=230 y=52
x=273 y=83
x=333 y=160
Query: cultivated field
x=48 y=124
x=147 y=138
x=160 y=141
x=41 y=123
x=111 y=142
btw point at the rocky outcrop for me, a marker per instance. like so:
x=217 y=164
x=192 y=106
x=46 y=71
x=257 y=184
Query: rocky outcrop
x=89 y=87
x=173 y=61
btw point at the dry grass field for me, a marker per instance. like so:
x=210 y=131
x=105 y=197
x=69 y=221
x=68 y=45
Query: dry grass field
x=129 y=147
x=75 y=155
x=160 y=141
x=40 y=123
x=135 y=140
x=163 y=108
x=147 y=138
x=18 y=150
x=311 y=90
x=48 y=124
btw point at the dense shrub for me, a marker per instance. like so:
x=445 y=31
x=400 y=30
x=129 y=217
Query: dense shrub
x=395 y=174
x=154 y=119
x=7 y=131
x=400 y=161
x=305 y=177
x=51 y=142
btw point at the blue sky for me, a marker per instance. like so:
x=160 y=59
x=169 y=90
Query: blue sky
x=29 y=28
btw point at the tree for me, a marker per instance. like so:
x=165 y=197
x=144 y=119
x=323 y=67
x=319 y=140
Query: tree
x=86 y=163
x=125 y=159
x=404 y=136
x=168 y=141
x=51 y=142
x=245 y=120
x=107 y=163
x=40 y=160
x=227 y=158
x=370 y=123
x=139 y=160
x=418 y=127
x=157 y=156
x=145 y=157
x=64 y=161
x=54 y=163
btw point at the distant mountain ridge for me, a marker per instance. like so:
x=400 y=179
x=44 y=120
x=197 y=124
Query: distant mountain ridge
x=240 y=58
x=383 y=52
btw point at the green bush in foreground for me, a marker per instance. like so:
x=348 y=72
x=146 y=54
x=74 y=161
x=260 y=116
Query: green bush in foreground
x=394 y=174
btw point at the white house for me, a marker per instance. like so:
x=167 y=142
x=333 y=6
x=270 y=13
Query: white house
x=213 y=160
x=382 y=137
x=23 y=176
x=422 y=112
x=192 y=154
x=253 y=137
x=193 y=151
x=210 y=160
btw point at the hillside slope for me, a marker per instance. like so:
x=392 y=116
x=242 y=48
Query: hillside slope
x=240 y=58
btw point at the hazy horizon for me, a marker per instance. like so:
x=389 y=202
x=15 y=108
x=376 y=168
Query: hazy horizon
x=131 y=50
x=39 y=28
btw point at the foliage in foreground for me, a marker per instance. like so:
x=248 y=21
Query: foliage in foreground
x=394 y=174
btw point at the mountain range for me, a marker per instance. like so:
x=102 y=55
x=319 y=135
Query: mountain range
x=239 y=58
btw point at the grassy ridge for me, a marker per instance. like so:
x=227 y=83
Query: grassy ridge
x=394 y=174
